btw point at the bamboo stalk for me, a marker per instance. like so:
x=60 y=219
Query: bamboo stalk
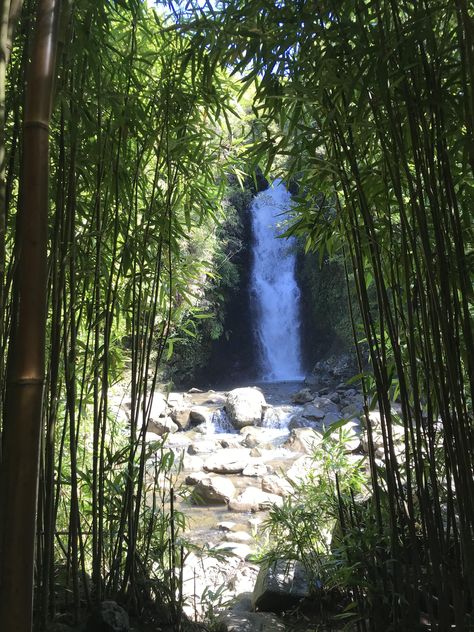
x=26 y=361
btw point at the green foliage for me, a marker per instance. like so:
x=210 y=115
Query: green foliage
x=302 y=528
x=223 y=242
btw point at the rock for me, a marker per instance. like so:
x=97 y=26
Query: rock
x=181 y=417
x=302 y=397
x=277 y=416
x=226 y=526
x=331 y=418
x=234 y=441
x=200 y=415
x=195 y=390
x=303 y=440
x=276 y=485
x=300 y=470
x=228 y=461
x=201 y=429
x=250 y=622
x=109 y=617
x=398 y=434
x=255 y=453
x=244 y=407
x=254 y=436
x=178 y=400
x=312 y=412
x=177 y=442
x=192 y=463
x=351 y=410
x=237 y=536
x=235 y=548
x=218 y=400
x=351 y=432
x=250 y=441
x=254 y=499
x=202 y=447
x=334 y=397
x=162 y=425
x=280 y=586
x=311 y=380
x=325 y=405
x=255 y=469
x=158 y=406
x=213 y=490
x=194 y=478
x=297 y=421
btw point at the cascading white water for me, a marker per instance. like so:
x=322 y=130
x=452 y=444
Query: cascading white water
x=275 y=293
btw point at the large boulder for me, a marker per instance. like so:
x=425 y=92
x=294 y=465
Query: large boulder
x=280 y=586
x=254 y=499
x=215 y=490
x=228 y=461
x=304 y=440
x=108 y=617
x=245 y=407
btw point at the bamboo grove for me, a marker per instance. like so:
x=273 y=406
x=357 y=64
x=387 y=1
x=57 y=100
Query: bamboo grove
x=371 y=104
x=136 y=150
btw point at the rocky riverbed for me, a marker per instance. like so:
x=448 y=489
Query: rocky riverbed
x=240 y=450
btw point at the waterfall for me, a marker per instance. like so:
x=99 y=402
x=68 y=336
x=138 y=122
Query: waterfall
x=274 y=291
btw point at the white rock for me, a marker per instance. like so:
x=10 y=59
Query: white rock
x=235 y=548
x=255 y=469
x=192 y=463
x=202 y=447
x=226 y=525
x=228 y=461
x=213 y=490
x=237 y=536
x=254 y=499
x=196 y=477
x=177 y=400
x=158 y=406
x=244 y=406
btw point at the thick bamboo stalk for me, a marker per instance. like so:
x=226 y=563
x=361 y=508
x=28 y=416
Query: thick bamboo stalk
x=26 y=361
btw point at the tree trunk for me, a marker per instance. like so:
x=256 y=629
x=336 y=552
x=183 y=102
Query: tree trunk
x=26 y=359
